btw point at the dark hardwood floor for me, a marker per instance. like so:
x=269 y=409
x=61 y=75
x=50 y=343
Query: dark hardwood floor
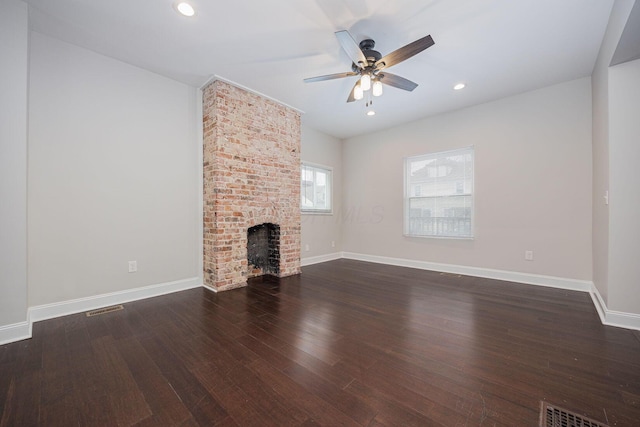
x=345 y=343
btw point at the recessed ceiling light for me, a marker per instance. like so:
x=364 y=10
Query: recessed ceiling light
x=371 y=113
x=459 y=86
x=185 y=9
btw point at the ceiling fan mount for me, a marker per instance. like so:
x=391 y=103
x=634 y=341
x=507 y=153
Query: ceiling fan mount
x=369 y=64
x=366 y=46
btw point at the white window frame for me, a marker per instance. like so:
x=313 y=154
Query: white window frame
x=408 y=197
x=329 y=189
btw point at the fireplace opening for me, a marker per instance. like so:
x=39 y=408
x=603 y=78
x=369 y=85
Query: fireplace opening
x=263 y=250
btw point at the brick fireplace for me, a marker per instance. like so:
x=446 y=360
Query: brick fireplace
x=251 y=183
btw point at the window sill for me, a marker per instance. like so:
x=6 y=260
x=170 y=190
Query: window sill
x=316 y=212
x=416 y=236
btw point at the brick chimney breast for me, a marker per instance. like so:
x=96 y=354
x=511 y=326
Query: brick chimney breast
x=251 y=165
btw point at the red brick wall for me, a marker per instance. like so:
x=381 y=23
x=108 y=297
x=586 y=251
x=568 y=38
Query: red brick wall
x=251 y=176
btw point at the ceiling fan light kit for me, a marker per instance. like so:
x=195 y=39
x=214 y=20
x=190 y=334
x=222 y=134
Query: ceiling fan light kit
x=369 y=65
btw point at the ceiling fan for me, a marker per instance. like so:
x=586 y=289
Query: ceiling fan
x=369 y=65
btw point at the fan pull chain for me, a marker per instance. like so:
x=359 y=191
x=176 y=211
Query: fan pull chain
x=369 y=102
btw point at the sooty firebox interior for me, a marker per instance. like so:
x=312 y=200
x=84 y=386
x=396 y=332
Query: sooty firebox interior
x=263 y=250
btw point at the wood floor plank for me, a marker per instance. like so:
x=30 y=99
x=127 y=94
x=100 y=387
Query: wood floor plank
x=57 y=391
x=283 y=355
x=16 y=360
x=240 y=407
x=205 y=409
x=390 y=413
x=355 y=407
x=165 y=405
x=22 y=401
x=319 y=409
x=344 y=343
x=271 y=405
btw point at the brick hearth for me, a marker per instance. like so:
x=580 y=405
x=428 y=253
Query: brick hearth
x=251 y=177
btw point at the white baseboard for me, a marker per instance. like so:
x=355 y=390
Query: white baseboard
x=15 y=332
x=320 y=258
x=211 y=288
x=64 y=308
x=612 y=317
x=607 y=317
x=22 y=330
x=511 y=276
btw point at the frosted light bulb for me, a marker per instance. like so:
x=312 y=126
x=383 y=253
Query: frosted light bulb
x=358 y=93
x=377 y=88
x=365 y=82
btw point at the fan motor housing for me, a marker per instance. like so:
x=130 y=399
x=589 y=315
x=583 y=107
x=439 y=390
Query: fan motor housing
x=366 y=46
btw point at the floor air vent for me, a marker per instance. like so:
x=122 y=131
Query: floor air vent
x=552 y=416
x=104 y=310
x=450 y=274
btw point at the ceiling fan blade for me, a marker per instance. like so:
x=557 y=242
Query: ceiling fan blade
x=397 y=81
x=404 y=52
x=351 y=47
x=352 y=97
x=329 y=77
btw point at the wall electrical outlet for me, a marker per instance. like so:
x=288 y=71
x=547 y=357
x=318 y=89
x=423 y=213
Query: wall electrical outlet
x=333 y=243
x=133 y=266
x=306 y=248
x=528 y=255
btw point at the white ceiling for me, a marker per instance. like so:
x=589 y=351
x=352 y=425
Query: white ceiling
x=497 y=47
x=628 y=47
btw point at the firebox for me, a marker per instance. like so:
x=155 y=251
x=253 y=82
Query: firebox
x=263 y=250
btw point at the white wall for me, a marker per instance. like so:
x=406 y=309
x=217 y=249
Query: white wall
x=532 y=184
x=615 y=235
x=113 y=175
x=624 y=175
x=319 y=231
x=600 y=144
x=14 y=44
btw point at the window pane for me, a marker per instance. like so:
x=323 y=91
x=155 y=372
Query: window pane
x=315 y=189
x=439 y=194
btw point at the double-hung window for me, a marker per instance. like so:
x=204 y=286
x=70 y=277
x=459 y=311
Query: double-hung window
x=439 y=194
x=315 y=189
